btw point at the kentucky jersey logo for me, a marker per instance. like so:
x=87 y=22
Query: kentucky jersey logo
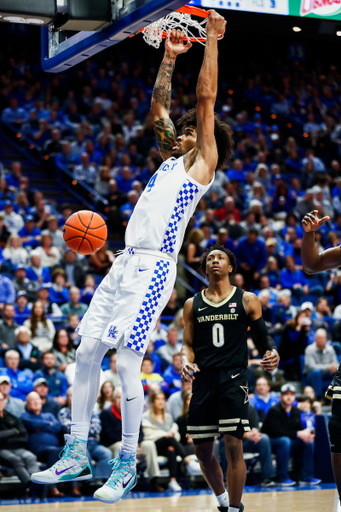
x=113 y=332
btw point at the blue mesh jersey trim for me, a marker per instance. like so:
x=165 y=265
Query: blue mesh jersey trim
x=185 y=197
x=144 y=318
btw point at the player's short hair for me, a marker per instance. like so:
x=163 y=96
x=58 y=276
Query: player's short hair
x=218 y=247
x=222 y=133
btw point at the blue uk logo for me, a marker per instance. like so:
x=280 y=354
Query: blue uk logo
x=113 y=332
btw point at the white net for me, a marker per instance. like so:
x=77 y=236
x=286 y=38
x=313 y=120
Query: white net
x=192 y=28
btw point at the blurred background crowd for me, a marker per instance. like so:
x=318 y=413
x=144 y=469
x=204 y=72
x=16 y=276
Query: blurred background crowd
x=94 y=121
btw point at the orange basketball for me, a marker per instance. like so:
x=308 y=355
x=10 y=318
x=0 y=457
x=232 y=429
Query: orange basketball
x=85 y=232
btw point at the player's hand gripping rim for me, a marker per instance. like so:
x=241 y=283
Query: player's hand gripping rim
x=311 y=222
x=188 y=370
x=270 y=360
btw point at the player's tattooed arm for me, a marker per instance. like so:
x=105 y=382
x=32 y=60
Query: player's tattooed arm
x=165 y=135
x=162 y=93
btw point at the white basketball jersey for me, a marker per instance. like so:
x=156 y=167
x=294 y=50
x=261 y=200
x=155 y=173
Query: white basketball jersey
x=164 y=209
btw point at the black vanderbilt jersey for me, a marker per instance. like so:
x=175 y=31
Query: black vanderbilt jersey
x=220 y=338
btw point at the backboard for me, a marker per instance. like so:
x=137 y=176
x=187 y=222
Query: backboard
x=61 y=50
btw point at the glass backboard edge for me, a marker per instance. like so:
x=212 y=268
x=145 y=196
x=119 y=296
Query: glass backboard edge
x=96 y=42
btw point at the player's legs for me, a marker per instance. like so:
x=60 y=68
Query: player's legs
x=74 y=463
x=336 y=464
x=210 y=467
x=334 y=428
x=233 y=422
x=123 y=477
x=86 y=384
x=132 y=401
x=236 y=470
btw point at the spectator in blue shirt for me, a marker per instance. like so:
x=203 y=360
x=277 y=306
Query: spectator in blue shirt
x=251 y=257
x=308 y=418
x=21 y=381
x=43 y=434
x=66 y=158
x=49 y=404
x=125 y=180
x=237 y=173
x=127 y=209
x=222 y=239
x=36 y=272
x=14 y=114
x=30 y=235
x=43 y=134
x=155 y=358
x=56 y=380
x=172 y=375
x=263 y=398
x=85 y=171
x=7 y=291
x=293 y=279
x=13 y=179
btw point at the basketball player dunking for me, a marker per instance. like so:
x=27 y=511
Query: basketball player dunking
x=314 y=262
x=125 y=307
x=215 y=356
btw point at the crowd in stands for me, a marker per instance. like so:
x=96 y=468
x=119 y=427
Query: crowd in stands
x=95 y=122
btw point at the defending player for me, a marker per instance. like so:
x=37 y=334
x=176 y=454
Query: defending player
x=126 y=305
x=314 y=262
x=215 y=356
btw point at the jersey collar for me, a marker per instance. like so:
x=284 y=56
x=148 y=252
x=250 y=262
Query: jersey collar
x=219 y=303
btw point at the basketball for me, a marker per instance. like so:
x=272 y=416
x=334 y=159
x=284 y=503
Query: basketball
x=85 y=232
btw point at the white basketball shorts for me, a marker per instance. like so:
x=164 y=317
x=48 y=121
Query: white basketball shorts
x=129 y=300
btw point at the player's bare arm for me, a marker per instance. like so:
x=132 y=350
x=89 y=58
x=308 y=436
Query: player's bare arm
x=161 y=99
x=201 y=161
x=187 y=352
x=262 y=339
x=314 y=262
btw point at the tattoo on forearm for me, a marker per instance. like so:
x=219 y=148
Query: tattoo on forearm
x=165 y=134
x=163 y=86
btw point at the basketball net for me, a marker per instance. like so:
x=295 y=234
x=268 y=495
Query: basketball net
x=194 y=30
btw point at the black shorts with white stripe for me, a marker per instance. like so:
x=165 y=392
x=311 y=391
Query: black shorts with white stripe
x=219 y=405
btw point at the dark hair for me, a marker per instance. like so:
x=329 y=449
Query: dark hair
x=222 y=133
x=34 y=319
x=253 y=231
x=218 y=247
x=55 y=344
x=101 y=399
x=147 y=358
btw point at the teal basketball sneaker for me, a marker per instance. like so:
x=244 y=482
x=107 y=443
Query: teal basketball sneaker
x=72 y=465
x=122 y=480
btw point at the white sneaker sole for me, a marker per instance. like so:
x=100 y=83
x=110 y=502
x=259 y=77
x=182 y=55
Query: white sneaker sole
x=114 y=500
x=41 y=480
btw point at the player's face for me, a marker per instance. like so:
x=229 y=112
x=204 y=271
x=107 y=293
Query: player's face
x=185 y=142
x=218 y=264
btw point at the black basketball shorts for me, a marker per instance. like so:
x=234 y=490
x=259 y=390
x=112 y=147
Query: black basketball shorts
x=219 y=405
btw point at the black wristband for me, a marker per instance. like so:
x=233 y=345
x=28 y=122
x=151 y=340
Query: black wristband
x=262 y=338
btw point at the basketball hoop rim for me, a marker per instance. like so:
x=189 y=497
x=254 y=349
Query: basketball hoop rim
x=195 y=11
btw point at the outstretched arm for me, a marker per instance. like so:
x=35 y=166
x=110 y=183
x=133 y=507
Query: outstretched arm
x=262 y=339
x=204 y=156
x=161 y=99
x=314 y=262
x=187 y=352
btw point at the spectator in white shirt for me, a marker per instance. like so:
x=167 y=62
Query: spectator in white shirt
x=13 y=221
